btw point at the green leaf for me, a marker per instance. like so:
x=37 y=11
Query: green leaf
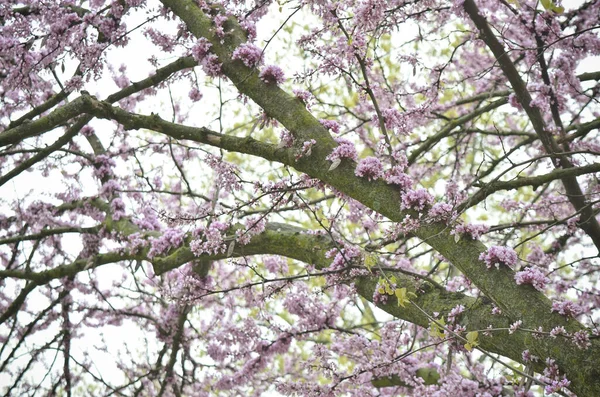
x=370 y=261
x=550 y=6
x=402 y=296
x=472 y=340
x=429 y=375
x=436 y=329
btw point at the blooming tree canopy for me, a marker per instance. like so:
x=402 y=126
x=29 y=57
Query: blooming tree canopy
x=303 y=197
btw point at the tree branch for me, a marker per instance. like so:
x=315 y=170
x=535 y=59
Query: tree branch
x=587 y=221
x=488 y=189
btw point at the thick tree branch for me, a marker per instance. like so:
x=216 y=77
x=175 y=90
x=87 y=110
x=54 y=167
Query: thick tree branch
x=29 y=129
x=296 y=243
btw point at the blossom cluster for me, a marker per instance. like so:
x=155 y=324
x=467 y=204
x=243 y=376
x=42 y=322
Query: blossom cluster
x=210 y=240
x=473 y=231
x=370 y=168
x=566 y=308
x=534 y=276
x=416 y=199
x=169 y=239
x=272 y=74
x=497 y=255
x=345 y=149
x=250 y=54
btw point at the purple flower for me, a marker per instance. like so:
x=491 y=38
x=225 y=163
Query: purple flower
x=272 y=74
x=582 y=339
x=250 y=54
x=195 y=94
x=118 y=209
x=514 y=102
x=305 y=96
x=473 y=231
x=514 y=326
x=109 y=187
x=556 y=385
x=200 y=49
x=211 y=65
x=395 y=176
x=455 y=312
x=556 y=331
x=566 y=308
x=286 y=139
x=211 y=240
x=496 y=256
x=440 y=212
x=104 y=166
x=395 y=120
x=370 y=168
x=330 y=125
x=306 y=148
x=345 y=149
x=171 y=238
x=416 y=199
x=534 y=276
x=528 y=357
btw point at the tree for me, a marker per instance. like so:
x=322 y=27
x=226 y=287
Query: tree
x=414 y=213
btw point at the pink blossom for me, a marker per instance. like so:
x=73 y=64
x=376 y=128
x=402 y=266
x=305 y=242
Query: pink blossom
x=87 y=130
x=254 y=226
x=330 y=125
x=370 y=168
x=582 y=339
x=556 y=385
x=248 y=53
x=170 y=238
x=566 y=308
x=272 y=74
x=211 y=66
x=534 y=276
x=306 y=97
x=514 y=102
x=195 y=94
x=226 y=173
x=395 y=176
x=345 y=149
x=528 y=357
x=306 y=149
x=200 y=49
x=165 y=42
x=556 y=331
x=103 y=166
x=109 y=187
x=395 y=120
x=219 y=21
x=472 y=231
x=117 y=207
x=286 y=139
x=455 y=312
x=552 y=377
x=343 y=257
x=514 y=326
x=457 y=5
x=416 y=199
x=440 y=212
x=210 y=240
x=496 y=256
